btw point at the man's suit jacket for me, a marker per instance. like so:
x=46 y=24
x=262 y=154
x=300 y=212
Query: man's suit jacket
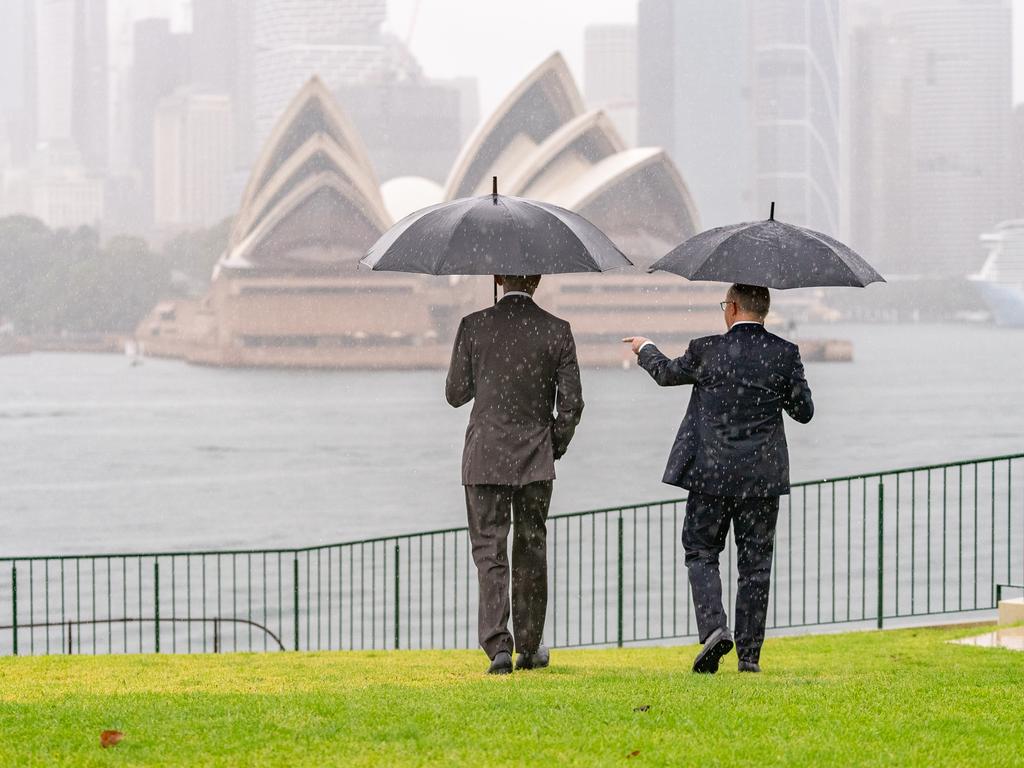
x=516 y=362
x=732 y=441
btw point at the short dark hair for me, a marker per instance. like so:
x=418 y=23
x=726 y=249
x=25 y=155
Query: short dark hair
x=750 y=298
x=525 y=283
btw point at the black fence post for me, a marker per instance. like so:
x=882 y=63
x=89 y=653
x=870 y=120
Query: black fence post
x=881 y=551
x=156 y=600
x=295 y=611
x=620 y=587
x=14 y=606
x=397 y=592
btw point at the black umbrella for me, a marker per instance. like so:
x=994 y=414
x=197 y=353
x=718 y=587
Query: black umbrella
x=494 y=235
x=769 y=253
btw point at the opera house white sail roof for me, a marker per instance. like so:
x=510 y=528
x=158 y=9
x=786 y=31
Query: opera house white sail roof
x=313 y=202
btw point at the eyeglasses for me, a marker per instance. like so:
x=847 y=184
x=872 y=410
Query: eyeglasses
x=724 y=304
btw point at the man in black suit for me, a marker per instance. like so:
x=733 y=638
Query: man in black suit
x=730 y=454
x=518 y=363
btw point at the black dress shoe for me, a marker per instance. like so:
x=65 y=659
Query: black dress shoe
x=536 y=660
x=749 y=666
x=717 y=645
x=501 y=664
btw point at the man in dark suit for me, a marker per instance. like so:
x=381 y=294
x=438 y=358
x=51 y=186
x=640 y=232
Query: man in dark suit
x=517 y=363
x=730 y=454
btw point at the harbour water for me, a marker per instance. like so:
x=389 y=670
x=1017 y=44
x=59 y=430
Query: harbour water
x=100 y=456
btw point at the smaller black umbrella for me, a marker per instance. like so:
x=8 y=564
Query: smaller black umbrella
x=769 y=253
x=494 y=235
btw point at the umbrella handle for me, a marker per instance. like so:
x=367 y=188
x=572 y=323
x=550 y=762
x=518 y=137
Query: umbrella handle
x=771 y=216
x=495 y=290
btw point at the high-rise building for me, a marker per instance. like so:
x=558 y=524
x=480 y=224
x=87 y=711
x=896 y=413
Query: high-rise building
x=469 y=104
x=193 y=141
x=931 y=133
x=90 y=106
x=160 y=66
x=341 y=42
x=122 y=86
x=17 y=86
x=795 y=47
x=610 y=74
x=880 y=203
x=1015 y=195
x=61 y=192
x=694 y=99
x=68 y=198
x=410 y=128
x=283 y=23
x=960 y=112
x=71 y=96
x=55 y=64
x=222 y=61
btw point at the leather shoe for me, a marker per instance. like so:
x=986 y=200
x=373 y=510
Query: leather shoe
x=749 y=666
x=717 y=645
x=536 y=660
x=501 y=664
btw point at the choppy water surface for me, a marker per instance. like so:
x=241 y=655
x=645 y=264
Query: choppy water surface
x=96 y=455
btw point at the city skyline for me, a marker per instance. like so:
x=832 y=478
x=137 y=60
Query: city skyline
x=521 y=43
x=764 y=122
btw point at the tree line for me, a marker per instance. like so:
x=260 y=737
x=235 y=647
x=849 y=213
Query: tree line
x=55 y=281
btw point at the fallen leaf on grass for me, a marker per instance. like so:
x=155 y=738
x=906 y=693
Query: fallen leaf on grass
x=642 y=708
x=634 y=753
x=110 y=738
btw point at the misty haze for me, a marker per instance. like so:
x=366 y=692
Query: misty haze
x=252 y=253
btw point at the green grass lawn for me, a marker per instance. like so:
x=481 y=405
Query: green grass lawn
x=875 y=698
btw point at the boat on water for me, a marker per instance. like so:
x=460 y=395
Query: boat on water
x=1001 y=279
x=133 y=351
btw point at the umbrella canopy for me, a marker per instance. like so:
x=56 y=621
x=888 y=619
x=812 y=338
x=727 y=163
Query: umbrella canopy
x=494 y=235
x=769 y=253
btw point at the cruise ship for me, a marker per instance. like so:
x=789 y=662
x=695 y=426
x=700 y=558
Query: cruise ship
x=1001 y=279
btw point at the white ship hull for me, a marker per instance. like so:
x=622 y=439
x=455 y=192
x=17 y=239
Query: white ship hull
x=1001 y=280
x=1004 y=301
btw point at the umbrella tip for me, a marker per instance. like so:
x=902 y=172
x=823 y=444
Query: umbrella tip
x=771 y=215
x=494 y=185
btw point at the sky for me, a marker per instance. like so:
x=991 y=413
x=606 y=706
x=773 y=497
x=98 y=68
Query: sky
x=500 y=41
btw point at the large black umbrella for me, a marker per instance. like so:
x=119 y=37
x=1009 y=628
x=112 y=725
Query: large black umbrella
x=494 y=235
x=769 y=253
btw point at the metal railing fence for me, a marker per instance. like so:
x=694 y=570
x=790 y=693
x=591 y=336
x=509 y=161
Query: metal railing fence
x=924 y=541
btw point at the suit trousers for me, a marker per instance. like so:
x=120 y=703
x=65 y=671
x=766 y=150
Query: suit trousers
x=705 y=529
x=492 y=510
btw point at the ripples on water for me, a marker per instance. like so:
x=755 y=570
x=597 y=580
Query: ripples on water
x=96 y=455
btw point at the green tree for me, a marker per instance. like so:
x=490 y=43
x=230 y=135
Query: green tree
x=25 y=245
x=195 y=253
x=113 y=289
x=66 y=280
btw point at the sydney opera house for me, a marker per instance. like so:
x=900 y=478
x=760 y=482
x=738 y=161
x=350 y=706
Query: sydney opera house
x=288 y=290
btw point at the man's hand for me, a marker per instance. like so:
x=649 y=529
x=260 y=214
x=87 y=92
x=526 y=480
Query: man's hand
x=636 y=342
